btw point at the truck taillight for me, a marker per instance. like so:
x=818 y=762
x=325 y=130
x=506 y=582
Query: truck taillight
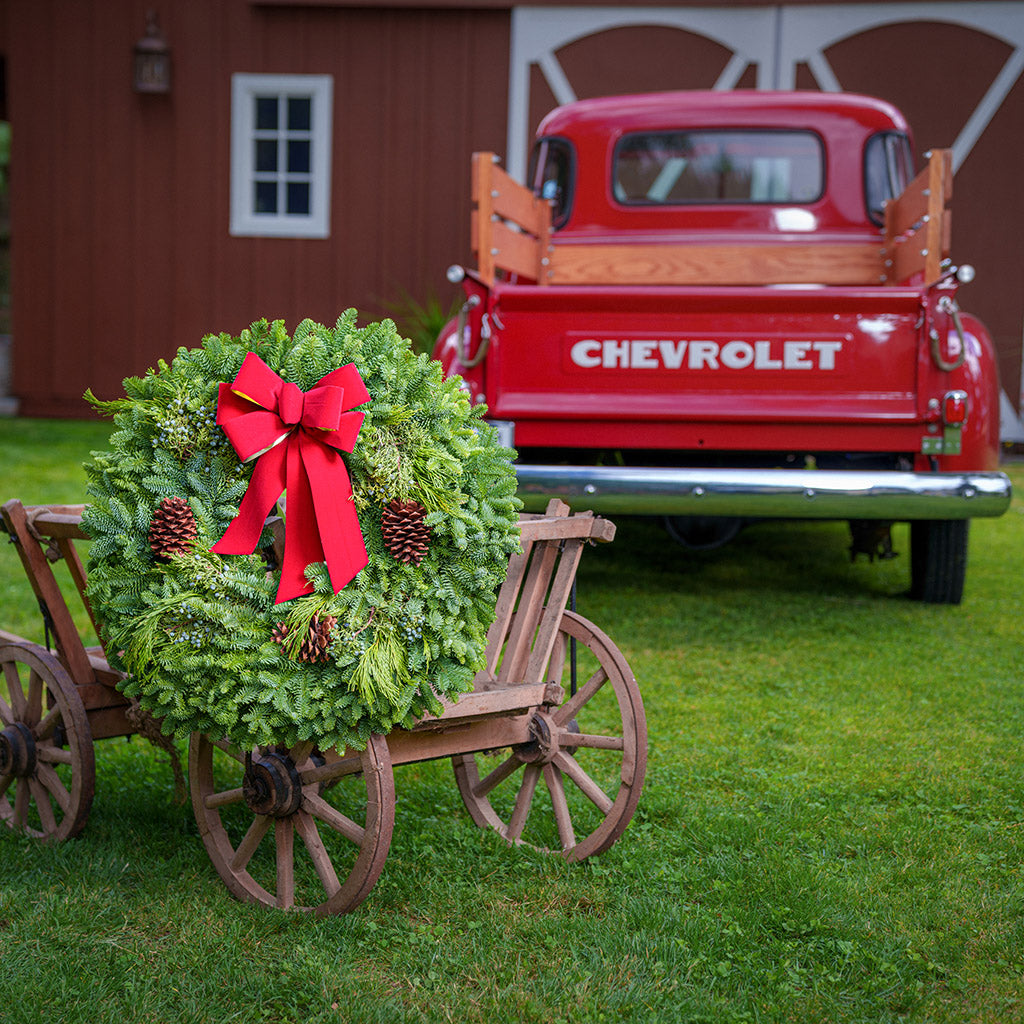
x=954 y=407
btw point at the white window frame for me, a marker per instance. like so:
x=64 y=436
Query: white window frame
x=245 y=221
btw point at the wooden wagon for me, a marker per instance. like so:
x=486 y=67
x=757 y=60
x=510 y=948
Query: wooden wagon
x=549 y=748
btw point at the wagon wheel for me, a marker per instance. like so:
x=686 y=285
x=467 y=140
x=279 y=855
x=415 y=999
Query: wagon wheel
x=590 y=753
x=251 y=805
x=47 y=769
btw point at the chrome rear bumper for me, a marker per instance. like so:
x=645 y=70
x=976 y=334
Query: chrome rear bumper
x=774 y=493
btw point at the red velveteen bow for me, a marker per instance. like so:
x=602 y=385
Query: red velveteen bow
x=293 y=435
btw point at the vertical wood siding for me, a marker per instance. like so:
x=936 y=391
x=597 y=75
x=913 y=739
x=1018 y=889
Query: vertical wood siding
x=121 y=244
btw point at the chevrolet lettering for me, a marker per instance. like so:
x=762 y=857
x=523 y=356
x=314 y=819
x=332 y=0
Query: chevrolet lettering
x=723 y=307
x=703 y=354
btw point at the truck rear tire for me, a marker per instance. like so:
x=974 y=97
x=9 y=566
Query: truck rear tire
x=703 y=533
x=938 y=560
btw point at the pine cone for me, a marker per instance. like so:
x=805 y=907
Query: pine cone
x=315 y=648
x=172 y=528
x=404 y=533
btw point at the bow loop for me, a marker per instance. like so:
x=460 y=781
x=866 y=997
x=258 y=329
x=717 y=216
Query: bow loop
x=294 y=437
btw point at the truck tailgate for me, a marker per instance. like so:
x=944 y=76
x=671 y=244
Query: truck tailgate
x=688 y=365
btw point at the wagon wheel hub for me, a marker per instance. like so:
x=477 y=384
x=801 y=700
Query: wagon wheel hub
x=17 y=751
x=543 y=743
x=271 y=785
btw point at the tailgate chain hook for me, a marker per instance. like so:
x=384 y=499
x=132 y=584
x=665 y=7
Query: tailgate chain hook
x=460 y=334
x=948 y=305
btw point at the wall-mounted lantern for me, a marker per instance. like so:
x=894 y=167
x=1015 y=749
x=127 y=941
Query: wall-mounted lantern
x=152 y=59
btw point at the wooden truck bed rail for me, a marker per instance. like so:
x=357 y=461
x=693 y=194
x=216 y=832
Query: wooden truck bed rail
x=511 y=234
x=918 y=225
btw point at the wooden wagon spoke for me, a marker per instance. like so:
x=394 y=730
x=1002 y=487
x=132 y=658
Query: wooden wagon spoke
x=587 y=786
x=34 y=701
x=593 y=741
x=231 y=750
x=15 y=691
x=21 y=802
x=556 y=787
x=5 y=783
x=301 y=751
x=44 y=730
x=316 y=773
x=54 y=755
x=284 y=837
x=43 y=807
x=52 y=781
x=307 y=830
x=524 y=798
x=224 y=798
x=556 y=663
x=6 y=714
x=251 y=841
x=571 y=708
x=341 y=823
x=497 y=776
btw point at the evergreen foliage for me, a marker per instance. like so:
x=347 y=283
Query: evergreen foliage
x=195 y=632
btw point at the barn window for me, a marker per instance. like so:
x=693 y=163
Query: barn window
x=281 y=155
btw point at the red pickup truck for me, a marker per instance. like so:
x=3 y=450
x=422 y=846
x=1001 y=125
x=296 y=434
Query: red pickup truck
x=722 y=306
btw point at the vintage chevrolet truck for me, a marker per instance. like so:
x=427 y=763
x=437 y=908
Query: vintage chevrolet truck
x=716 y=307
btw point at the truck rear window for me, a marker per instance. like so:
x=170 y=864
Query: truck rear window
x=682 y=168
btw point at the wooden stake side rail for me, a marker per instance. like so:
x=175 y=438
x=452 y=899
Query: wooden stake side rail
x=918 y=226
x=512 y=234
x=521 y=639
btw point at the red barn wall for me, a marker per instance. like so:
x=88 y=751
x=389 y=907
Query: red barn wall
x=120 y=227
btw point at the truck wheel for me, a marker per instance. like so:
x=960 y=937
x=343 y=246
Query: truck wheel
x=938 y=560
x=703 y=533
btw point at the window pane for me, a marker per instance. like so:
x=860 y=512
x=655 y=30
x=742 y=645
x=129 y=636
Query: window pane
x=265 y=198
x=679 y=168
x=887 y=171
x=266 y=113
x=551 y=175
x=266 y=155
x=298 y=156
x=298 y=197
x=299 y=113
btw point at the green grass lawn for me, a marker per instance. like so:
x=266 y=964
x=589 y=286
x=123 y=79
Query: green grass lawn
x=831 y=829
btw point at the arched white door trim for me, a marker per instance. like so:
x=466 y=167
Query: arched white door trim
x=774 y=39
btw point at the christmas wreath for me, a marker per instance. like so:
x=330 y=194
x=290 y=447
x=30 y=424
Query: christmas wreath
x=399 y=517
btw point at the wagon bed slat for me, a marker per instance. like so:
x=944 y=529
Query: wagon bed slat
x=533 y=591
x=517 y=697
x=551 y=616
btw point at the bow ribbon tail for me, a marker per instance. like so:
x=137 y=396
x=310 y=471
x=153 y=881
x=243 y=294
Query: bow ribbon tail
x=302 y=544
x=331 y=489
x=265 y=487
